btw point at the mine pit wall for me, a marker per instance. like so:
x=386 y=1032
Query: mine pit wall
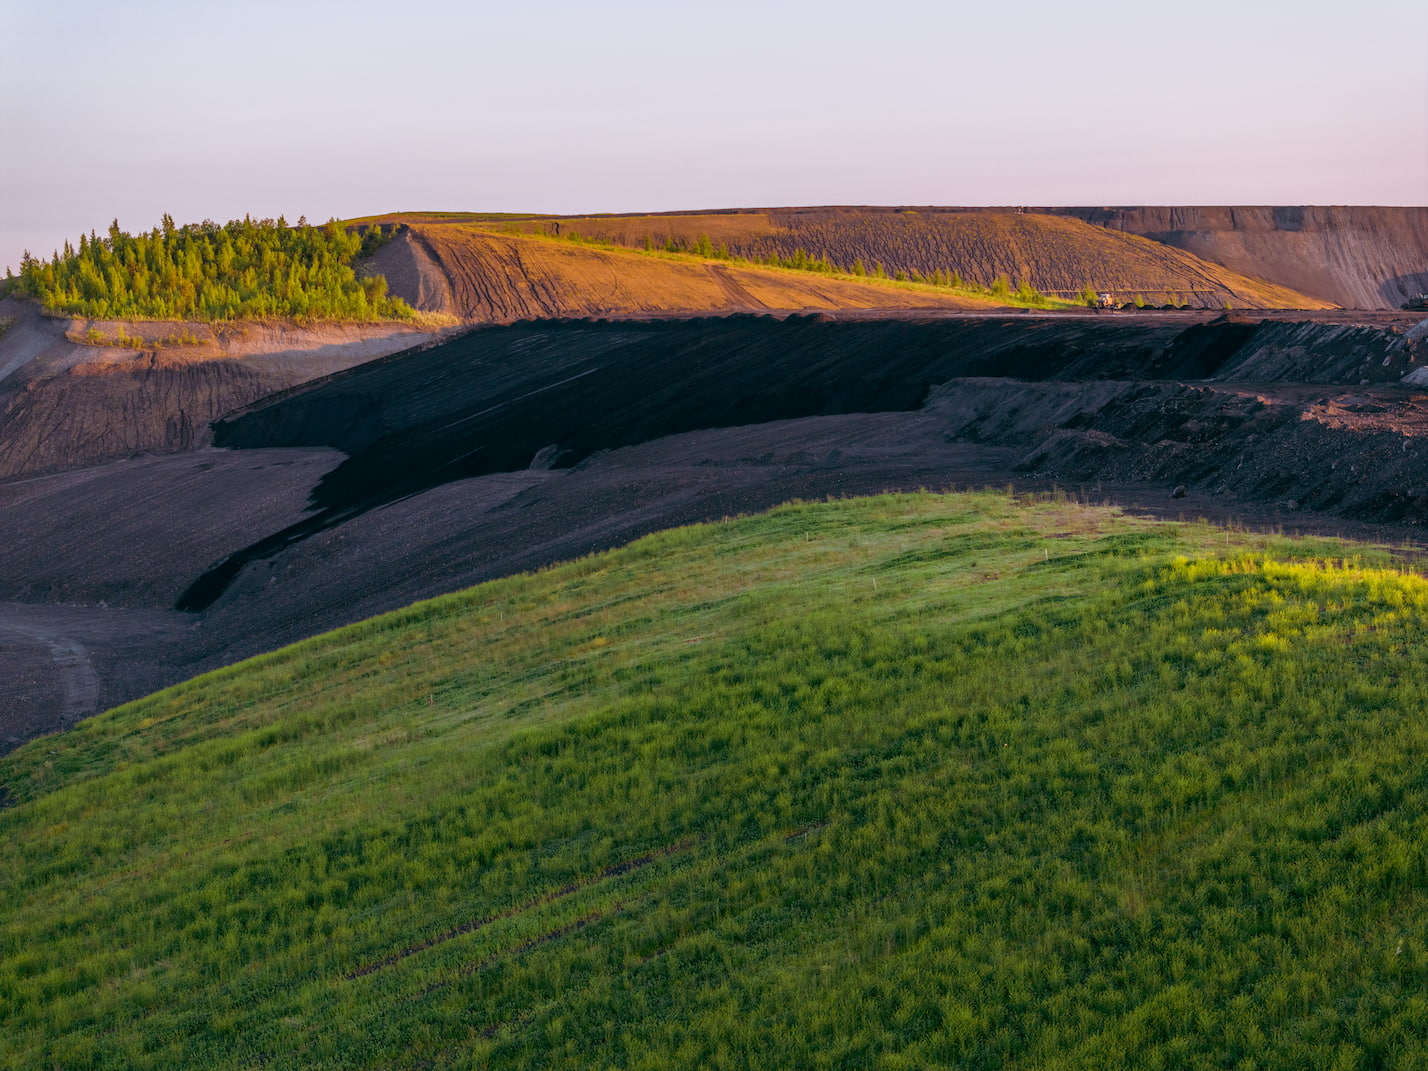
x=1228 y=404
x=1364 y=257
x=493 y=399
x=1289 y=454
x=1298 y=416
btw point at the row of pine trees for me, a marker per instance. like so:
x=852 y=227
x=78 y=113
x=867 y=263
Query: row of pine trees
x=245 y=269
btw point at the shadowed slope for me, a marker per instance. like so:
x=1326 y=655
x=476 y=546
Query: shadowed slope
x=494 y=399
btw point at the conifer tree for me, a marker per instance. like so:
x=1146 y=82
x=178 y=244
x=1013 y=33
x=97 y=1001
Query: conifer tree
x=248 y=268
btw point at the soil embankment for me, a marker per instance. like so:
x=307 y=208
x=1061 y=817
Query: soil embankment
x=485 y=277
x=79 y=392
x=1365 y=257
x=1057 y=254
x=553 y=395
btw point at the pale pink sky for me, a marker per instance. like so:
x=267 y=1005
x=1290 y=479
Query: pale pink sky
x=133 y=108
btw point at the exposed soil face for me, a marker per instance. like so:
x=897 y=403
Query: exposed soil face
x=494 y=399
x=65 y=403
x=1356 y=256
x=513 y=447
x=97 y=411
x=1054 y=253
x=485 y=277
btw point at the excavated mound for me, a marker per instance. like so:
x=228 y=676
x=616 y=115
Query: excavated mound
x=67 y=402
x=482 y=277
x=1355 y=256
x=1055 y=254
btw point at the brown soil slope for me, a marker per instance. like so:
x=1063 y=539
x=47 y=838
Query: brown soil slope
x=1354 y=256
x=66 y=403
x=1055 y=254
x=482 y=277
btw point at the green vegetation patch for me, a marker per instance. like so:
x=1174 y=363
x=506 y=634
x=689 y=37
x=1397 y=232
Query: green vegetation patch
x=906 y=782
x=245 y=269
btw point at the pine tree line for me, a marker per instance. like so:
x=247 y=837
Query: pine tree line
x=245 y=269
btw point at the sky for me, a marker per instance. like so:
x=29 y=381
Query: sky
x=129 y=109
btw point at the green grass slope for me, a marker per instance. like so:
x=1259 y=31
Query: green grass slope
x=906 y=782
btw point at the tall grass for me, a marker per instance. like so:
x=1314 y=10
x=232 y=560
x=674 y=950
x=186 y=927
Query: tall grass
x=912 y=781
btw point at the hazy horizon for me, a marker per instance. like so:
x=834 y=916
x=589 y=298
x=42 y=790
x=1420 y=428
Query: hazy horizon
x=132 y=109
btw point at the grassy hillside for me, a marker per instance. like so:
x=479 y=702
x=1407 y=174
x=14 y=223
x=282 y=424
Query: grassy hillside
x=974 y=248
x=917 y=781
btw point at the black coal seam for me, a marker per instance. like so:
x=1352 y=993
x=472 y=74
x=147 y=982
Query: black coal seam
x=390 y=475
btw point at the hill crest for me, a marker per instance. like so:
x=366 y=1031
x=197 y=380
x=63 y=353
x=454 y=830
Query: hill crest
x=1055 y=254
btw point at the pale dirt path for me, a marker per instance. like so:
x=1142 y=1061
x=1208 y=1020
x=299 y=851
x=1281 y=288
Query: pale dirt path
x=63 y=663
x=739 y=296
x=78 y=683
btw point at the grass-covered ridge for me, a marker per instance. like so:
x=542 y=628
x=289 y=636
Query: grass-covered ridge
x=244 y=269
x=915 y=781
